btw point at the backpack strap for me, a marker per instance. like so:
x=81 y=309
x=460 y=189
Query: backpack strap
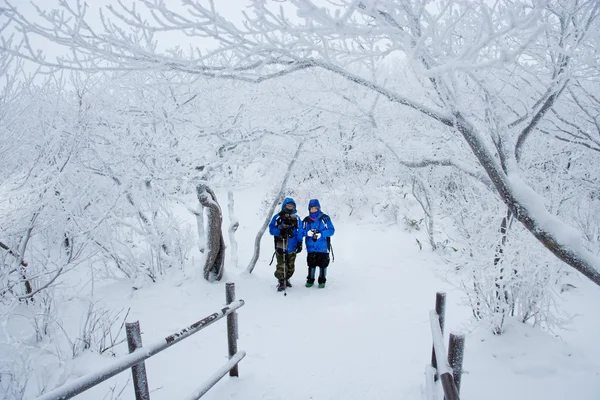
x=275 y=252
x=305 y=221
x=325 y=218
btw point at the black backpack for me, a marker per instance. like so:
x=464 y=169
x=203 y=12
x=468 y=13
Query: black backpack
x=323 y=218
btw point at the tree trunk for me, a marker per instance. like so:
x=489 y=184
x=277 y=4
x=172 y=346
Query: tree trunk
x=200 y=225
x=276 y=201
x=214 y=257
x=233 y=226
x=504 y=303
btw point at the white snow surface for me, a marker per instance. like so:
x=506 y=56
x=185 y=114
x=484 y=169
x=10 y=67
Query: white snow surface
x=365 y=336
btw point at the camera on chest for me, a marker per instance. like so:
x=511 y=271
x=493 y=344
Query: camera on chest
x=315 y=234
x=289 y=223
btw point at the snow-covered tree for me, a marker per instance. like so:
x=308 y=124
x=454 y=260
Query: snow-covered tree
x=459 y=51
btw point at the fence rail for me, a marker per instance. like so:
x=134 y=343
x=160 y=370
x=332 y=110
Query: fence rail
x=446 y=369
x=138 y=353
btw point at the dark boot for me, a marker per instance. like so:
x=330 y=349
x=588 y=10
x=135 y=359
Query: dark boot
x=281 y=286
x=310 y=279
x=287 y=283
x=322 y=277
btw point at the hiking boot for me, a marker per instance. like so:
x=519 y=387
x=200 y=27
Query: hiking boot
x=281 y=286
x=308 y=284
x=321 y=285
x=288 y=284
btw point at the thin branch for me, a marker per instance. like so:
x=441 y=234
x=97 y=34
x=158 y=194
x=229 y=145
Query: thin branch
x=536 y=120
x=577 y=142
x=12 y=253
x=30 y=295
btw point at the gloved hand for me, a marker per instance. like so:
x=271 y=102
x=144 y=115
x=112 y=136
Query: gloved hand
x=314 y=234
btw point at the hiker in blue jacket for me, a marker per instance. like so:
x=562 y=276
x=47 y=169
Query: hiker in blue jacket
x=318 y=229
x=286 y=227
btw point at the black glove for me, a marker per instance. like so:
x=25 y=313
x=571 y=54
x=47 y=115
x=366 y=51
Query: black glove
x=299 y=247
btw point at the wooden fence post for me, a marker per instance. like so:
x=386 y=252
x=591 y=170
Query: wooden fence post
x=443 y=370
x=430 y=383
x=440 y=309
x=138 y=371
x=232 y=328
x=456 y=349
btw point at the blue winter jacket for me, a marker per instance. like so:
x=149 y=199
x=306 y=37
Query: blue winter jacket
x=298 y=233
x=322 y=224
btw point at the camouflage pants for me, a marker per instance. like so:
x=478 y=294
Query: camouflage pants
x=290 y=259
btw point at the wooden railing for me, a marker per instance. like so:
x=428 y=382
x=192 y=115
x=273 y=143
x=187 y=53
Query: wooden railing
x=138 y=353
x=446 y=369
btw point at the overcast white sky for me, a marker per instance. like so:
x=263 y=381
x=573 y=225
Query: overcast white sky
x=231 y=9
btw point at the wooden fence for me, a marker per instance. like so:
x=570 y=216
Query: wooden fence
x=138 y=353
x=446 y=369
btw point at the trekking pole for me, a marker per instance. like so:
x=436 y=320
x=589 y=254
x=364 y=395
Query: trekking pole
x=285 y=244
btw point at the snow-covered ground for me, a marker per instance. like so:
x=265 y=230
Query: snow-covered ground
x=365 y=336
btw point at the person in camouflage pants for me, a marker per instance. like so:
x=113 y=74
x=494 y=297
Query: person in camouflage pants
x=285 y=270
x=286 y=227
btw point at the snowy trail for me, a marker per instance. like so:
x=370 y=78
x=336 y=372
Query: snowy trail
x=365 y=336
x=360 y=337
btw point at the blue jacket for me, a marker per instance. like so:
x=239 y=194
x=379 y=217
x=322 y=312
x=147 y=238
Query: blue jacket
x=275 y=228
x=322 y=224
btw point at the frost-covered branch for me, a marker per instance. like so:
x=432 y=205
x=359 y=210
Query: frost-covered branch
x=527 y=207
x=276 y=200
x=449 y=163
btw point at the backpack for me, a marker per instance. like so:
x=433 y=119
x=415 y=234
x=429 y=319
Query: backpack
x=323 y=218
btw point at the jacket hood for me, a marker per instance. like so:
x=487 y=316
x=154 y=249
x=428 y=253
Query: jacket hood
x=314 y=203
x=288 y=200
